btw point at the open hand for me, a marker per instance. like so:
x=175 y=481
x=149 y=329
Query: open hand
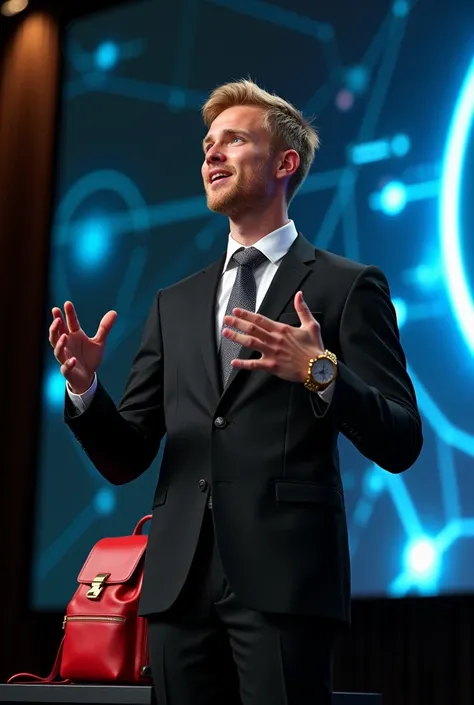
x=286 y=350
x=78 y=355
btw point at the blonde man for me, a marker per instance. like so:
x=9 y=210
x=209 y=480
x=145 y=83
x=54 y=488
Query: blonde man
x=252 y=367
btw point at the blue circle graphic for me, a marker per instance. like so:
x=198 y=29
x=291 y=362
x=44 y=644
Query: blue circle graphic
x=457 y=284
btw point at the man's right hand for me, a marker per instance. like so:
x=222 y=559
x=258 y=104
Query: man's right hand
x=78 y=355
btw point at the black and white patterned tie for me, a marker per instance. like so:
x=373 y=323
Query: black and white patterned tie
x=243 y=295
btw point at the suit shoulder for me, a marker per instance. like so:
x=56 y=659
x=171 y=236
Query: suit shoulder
x=339 y=266
x=189 y=281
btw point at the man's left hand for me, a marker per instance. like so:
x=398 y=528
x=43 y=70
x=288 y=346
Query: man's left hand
x=286 y=350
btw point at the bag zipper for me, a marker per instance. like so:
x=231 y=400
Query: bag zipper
x=91 y=618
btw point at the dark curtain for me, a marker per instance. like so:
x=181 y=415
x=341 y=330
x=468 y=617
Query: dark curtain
x=416 y=652
x=29 y=81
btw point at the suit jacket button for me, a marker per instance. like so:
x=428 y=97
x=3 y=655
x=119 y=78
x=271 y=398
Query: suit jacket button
x=202 y=484
x=220 y=422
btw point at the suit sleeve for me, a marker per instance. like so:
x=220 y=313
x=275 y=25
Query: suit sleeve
x=122 y=441
x=374 y=403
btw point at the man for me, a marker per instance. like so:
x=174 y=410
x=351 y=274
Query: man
x=252 y=367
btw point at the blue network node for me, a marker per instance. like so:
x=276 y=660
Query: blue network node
x=107 y=56
x=400 y=145
x=393 y=198
x=92 y=244
x=105 y=501
x=401 y=8
x=54 y=389
x=422 y=562
x=357 y=79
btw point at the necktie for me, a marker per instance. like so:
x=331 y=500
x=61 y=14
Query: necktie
x=243 y=295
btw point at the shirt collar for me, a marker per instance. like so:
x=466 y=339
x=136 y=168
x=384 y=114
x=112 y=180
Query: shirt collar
x=274 y=246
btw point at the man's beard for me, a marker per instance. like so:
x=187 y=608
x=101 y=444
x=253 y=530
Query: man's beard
x=238 y=200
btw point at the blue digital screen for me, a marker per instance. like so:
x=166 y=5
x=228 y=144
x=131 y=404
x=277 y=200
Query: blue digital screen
x=390 y=86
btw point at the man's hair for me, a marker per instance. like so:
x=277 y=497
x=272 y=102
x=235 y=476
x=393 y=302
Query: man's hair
x=286 y=125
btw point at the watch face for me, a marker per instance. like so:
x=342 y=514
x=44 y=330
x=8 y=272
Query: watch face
x=323 y=371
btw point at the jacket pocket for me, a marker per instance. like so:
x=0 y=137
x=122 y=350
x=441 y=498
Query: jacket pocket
x=308 y=493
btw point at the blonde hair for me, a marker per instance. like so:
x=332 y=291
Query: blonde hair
x=286 y=125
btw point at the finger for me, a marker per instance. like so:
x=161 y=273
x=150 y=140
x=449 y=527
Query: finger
x=60 y=350
x=257 y=318
x=56 y=330
x=248 y=341
x=302 y=309
x=249 y=328
x=71 y=317
x=57 y=313
x=105 y=326
x=259 y=364
x=68 y=366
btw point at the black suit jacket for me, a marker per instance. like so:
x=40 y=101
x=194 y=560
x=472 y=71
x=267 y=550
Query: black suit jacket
x=266 y=447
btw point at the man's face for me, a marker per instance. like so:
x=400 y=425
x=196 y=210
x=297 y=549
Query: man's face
x=239 y=163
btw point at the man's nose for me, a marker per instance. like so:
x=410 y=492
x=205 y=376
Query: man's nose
x=214 y=154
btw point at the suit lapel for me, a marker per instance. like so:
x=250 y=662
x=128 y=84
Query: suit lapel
x=206 y=303
x=291 y=273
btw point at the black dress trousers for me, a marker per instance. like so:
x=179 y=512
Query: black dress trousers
x=209 y=649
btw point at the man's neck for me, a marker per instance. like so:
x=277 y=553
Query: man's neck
x=254 y=226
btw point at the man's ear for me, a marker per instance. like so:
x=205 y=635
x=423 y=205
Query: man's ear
x=288 y=164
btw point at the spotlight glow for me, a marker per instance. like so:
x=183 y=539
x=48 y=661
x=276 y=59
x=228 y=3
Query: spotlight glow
x=92 y=245
x=55 y=389
x=393 y=198
x=460 y=296
x=107 y=56
x=421 y=559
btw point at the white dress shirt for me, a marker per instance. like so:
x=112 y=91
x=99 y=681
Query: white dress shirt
x=274 y=246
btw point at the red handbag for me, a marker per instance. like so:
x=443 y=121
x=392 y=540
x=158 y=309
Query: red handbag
x=105 y=641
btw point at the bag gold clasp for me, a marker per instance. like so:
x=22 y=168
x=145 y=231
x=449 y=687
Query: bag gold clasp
x=97 y=586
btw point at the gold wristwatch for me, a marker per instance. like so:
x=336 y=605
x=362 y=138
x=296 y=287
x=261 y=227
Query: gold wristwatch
x=322 y=370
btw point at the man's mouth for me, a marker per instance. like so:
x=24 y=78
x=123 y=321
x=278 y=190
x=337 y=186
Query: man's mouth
x=219 y=176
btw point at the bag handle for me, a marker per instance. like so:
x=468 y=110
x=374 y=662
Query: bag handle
x=138 y=529
x=17 y=678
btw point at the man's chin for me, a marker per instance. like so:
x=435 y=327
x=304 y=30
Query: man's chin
x=222 y=206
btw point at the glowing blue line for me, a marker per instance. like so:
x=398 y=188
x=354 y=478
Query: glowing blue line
x=383 y=80
x=404 y=505
x=320 y=181
x=456 y=529
x=185 y=44
x=368 y=152
x=363 y=512
x=349 y=230
x=130 y=281
x=345 y=190
x=64 y=542
x=442 y=427
x=449 y=209
x=378 y=43
x=132 y=88
x=276 y=15
x=141 y=217
x=420 y=191
x=449 y=485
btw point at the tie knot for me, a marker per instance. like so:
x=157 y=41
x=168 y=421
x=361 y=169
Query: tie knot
x=249 y=257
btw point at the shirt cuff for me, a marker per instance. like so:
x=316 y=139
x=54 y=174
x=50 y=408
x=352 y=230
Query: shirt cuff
x=327 y=394
x=83 y=401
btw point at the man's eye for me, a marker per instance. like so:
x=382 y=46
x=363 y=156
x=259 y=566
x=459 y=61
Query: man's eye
x=236 y=138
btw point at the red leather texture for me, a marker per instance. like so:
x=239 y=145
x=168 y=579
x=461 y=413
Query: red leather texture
x=105 y=641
